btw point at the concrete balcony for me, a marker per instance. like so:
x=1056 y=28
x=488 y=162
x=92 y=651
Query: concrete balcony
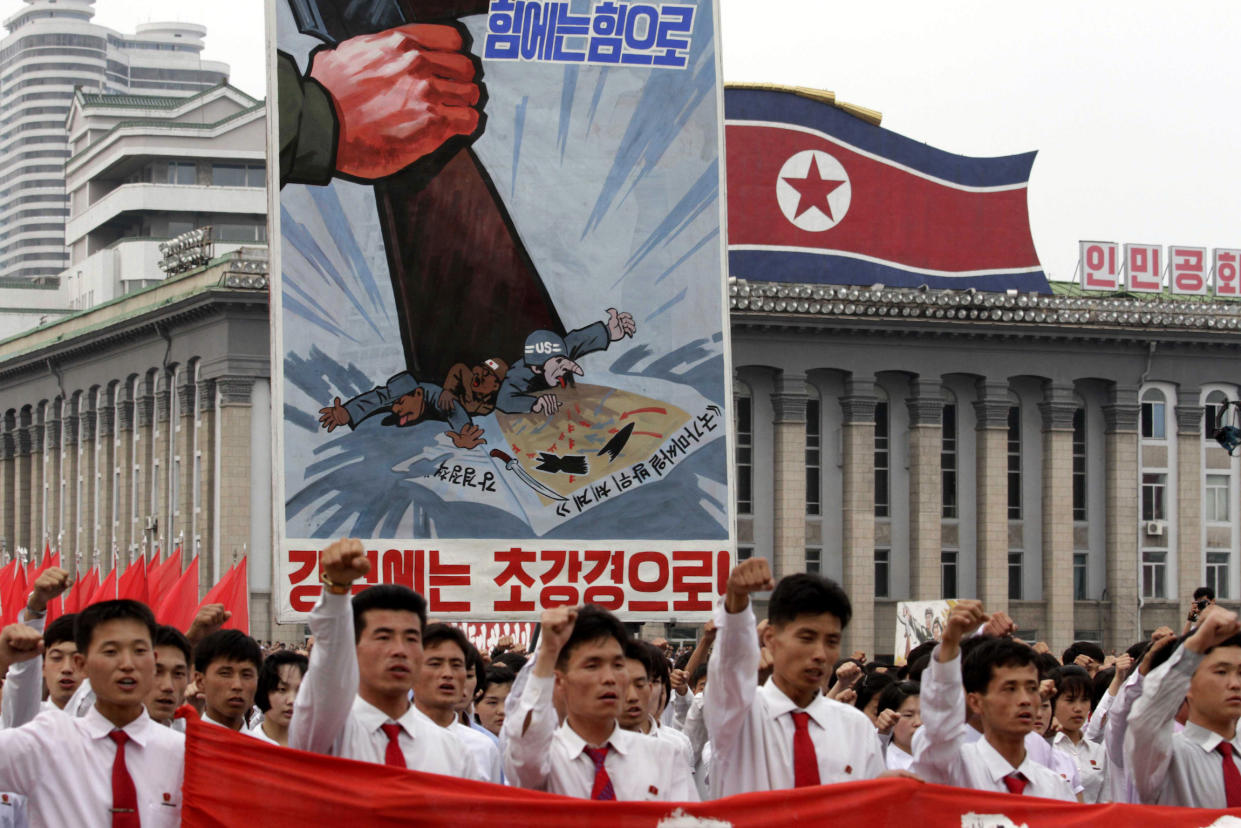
x=166 y=198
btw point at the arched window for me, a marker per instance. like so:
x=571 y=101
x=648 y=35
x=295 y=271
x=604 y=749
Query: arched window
x=1154 y=415
x=1213 y=408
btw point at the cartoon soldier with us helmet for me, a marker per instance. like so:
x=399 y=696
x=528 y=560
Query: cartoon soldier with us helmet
x=549 y=360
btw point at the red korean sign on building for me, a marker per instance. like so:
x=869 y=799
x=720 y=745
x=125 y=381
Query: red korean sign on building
x=1150 y=268
x=482 y=582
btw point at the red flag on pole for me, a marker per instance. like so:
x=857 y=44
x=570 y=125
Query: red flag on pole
x=14 y=592
x=83 y=591
x=133 y=584
x=47 y=560
x=106 y=591
x=233 y=591
x=161 y=576
x=180 y=605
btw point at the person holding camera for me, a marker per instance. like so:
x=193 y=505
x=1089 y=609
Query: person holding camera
x=1204 y=597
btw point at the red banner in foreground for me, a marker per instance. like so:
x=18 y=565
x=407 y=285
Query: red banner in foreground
x=235 y=780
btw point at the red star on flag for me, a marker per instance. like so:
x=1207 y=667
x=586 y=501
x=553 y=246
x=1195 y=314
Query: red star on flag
x=814 y=190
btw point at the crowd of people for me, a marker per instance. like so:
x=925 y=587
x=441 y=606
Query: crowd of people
x=92 y=733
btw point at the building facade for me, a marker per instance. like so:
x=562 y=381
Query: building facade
x=147 y=168
x=1049 y=455
x=53 y=48
x=143 y=424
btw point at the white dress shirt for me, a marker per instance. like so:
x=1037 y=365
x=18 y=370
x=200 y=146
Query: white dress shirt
x=63 y=765
x=1120 y=784
x=258 y=733
x=676 y=738
x=329 y=717
x=897 y=759
x=1098 y=719
x=1174 y=768
x=485 y=752
x=1090 y=759
x=949 y=756
x=550 y=758
x=23 y=687
x=751 y=730
x=13 y=811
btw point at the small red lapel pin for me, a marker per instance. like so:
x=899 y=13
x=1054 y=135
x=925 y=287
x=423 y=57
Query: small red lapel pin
x=168 y=797
x=653 y=790
x=848 y=768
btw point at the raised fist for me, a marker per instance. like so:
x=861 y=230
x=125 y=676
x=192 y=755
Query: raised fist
x=749 y=576
x=344 y=561
x=398 y=95
x=886 y=720
x=50 y=584
x=19 y=643
x=1215 y=625
x=210 y=618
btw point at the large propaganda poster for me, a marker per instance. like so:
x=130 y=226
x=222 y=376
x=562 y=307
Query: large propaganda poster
x=499 y=326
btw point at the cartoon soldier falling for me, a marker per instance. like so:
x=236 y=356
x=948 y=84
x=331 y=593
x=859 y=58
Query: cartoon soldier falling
x=547 y=362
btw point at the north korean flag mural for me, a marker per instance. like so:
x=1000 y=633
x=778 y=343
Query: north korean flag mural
x=817 y=195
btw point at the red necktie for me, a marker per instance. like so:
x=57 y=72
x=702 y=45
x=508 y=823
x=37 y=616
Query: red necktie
x=124 y=796
x=1232 y=776
x=602 y=789
x=805 y=760
x=1015 y=782
x=393 y=756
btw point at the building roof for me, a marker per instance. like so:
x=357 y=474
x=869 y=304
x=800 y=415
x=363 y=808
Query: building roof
x=152 y=101
x=1080 y=313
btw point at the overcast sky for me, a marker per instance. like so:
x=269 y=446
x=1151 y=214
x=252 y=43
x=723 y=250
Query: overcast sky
x=1133 y=105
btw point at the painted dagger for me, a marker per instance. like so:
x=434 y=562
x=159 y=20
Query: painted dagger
x=515 y=467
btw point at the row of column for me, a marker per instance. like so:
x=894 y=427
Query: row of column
x=130 y=466
x=991 y=406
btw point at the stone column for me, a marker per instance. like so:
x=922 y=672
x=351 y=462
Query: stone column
x=788 y=402
x=21 y=480
x=162 y=471
x=1120 y=418
x=209 y=505
x=1188 y=511
x=53 y=476
x=105 y=480
x=126 y=537
x=72 y=551
x=36 y=481
x=1057 y=408
x=858 y=515
x=991 y=412
x=89 y=468
x=186 y=445
x=234 y=485
x=145 y=456
x=926 y=495
x=8 y=492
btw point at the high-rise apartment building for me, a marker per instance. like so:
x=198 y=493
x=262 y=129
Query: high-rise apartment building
x=53 y=48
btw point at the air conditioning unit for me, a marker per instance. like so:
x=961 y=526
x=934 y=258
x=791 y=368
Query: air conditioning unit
x=1154 y=528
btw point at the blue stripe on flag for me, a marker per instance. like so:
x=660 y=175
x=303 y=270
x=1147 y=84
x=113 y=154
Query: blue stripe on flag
x=829 y=269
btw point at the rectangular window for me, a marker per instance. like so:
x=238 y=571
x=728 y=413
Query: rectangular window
x=182 y=172
x=881 y=459
x=814 y=560
x=948 y=462
x=1080 y=575
x=814 y=458
x=1153 y=416
x=256 y=175
x=1079 y=464
x=228 y=175
x=745 y=455
x=1014 y=463
x=1153 y=488
x=1154 y=574
x=1216 y=505
x=1014 y=576
x=744 y=553
x=883 y=559
x=1217 y=573
x=948 y=572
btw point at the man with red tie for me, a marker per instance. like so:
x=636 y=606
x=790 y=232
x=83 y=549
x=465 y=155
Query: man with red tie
x=354 y=700
x=581 y=661
x=1000 y=684
x=1197 y=767
x=113 y=766
x=784 y=734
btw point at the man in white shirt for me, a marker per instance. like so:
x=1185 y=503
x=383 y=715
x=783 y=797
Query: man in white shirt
x=581 y=657
x=113 y=766
x=23 y=690
x=1198 y=767
x=1000 y=684
x=354 y=699
x=226 y=670
x=172 y=675
x=784 y=734
x=647 y=696
x=438 y=689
